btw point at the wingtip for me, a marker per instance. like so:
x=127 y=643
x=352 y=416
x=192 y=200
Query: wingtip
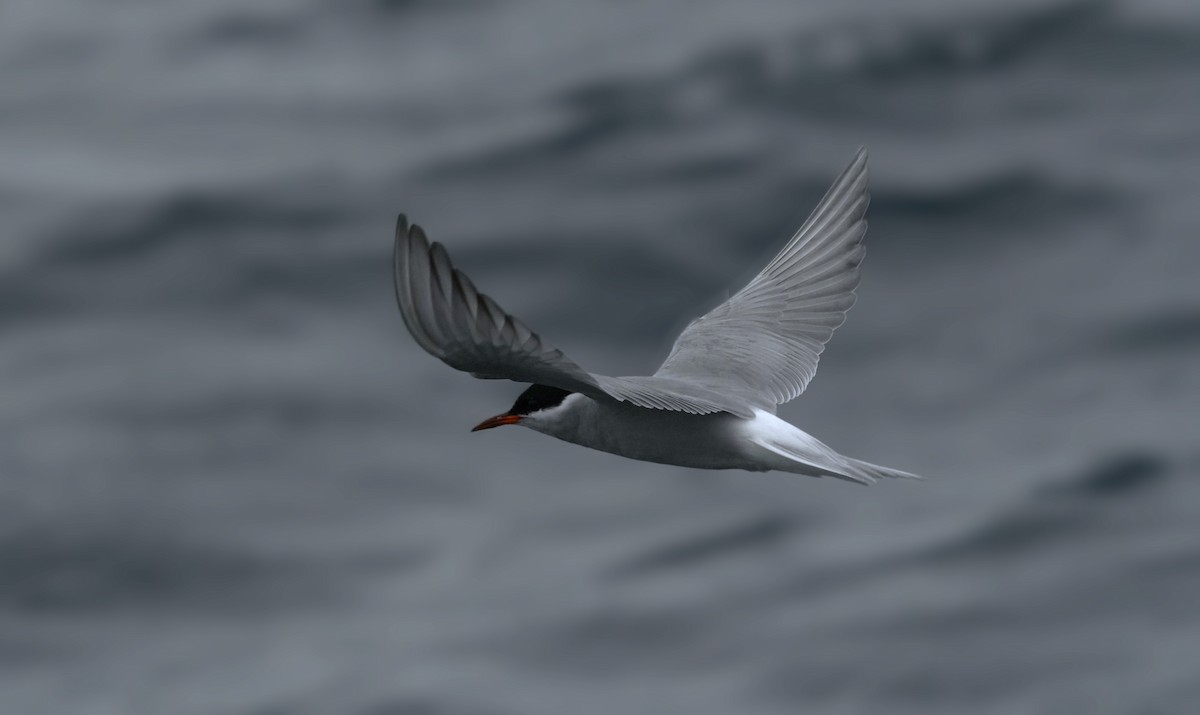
x=406 y=230
x=861 y=157
x=411 y=233
x=406 y=233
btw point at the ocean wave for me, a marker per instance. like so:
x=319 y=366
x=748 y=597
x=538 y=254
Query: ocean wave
x=831 y=72
x=120 y=232
x=68 y=569
x=192 y=247
x=1012 y=194
x=1169 y=330
x=1121 y=475
x=1059 y=512
x=701 y=549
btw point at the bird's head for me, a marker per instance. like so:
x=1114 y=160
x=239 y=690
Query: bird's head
x=536 y=403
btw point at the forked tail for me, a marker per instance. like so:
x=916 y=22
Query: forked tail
x=867 y=473
x=787 y=448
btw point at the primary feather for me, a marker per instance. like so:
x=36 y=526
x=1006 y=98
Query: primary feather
x=768 y=338
x=469 y=331
x=758 y=349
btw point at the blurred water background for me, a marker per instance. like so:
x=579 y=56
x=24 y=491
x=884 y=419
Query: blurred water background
x=231 y=483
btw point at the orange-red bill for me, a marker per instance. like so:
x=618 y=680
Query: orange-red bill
x=497 y=421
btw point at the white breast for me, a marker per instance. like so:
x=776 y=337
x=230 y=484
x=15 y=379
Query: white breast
x=698 y=441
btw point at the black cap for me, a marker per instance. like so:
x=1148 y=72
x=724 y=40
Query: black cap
x=538 y=397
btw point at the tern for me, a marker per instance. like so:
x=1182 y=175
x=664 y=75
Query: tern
x=711 y=405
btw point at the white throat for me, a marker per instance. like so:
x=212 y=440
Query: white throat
x=562 y=421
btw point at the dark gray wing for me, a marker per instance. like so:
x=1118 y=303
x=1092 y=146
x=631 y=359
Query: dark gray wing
x=468 y=331
x=765 y=341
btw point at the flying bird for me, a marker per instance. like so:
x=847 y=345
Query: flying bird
x=711 y=405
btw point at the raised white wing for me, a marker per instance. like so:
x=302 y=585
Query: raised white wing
x=468 y=331
x=765 y=341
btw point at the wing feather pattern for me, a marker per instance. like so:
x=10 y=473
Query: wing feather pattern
x=451 y=320
x=466 y=329
x=766 y=340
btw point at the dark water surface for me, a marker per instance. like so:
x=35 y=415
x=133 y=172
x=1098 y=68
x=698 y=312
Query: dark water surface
x=231 y=483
